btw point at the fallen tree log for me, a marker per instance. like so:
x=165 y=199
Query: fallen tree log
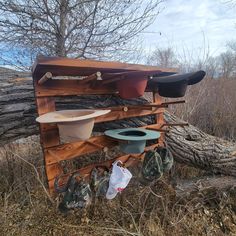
x=205 y=186
x=193 y=147
x=188 y=144
x=18 y=109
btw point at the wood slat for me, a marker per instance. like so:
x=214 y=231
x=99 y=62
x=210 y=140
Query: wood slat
x=69 y=151
x=85 y=171
x=118 y=115
x=49 y=133
x=67 y=66
x=69 y=88
x=159 y=117
x=50 y=137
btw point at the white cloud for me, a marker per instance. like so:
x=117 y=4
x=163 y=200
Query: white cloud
x=186 y=23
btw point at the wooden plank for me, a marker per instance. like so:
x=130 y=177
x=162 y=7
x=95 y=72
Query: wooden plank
x=48 y=134
x=159 y=117
x=85 y=171
x=48 y=137
x=69 y=151
x=118 y=115
x=74 y=67
x=70 y=87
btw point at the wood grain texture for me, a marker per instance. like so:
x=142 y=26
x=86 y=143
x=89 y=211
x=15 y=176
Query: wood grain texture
x=67 y=66
x=55 y=153
x=118 y=115
x=69 y=151
x=62 y=87
x=159 y=117
x=193 y=147
x=49 y=137
x=85 y=171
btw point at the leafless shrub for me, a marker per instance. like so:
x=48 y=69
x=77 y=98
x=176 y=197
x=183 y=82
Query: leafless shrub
x=211 y=106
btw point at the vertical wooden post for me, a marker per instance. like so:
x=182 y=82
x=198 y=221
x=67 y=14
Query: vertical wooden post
x=49 y=135
x=159 y=117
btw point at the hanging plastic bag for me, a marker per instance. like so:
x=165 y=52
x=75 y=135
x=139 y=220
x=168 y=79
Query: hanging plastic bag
x=119 y=179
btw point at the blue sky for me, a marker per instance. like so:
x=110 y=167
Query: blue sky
x=192 y=25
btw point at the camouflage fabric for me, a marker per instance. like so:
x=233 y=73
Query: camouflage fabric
x=155 y=163
x=77 y=194
x=166 y=157
x=100 y=182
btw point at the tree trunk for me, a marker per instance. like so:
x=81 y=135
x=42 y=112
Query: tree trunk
x=214 y=186
x=188 y=144
x=18 y=109
x=193 y=147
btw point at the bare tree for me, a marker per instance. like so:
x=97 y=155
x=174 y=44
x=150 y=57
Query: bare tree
x=227 y=61
x=75 y=28
x=163 y=57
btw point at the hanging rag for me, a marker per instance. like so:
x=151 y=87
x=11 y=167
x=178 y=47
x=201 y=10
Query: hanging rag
x=100 y=180
x=77 y=194
x=155 y=163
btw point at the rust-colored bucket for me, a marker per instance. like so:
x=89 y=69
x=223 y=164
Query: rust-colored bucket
x=131 y=84
x=131 y=87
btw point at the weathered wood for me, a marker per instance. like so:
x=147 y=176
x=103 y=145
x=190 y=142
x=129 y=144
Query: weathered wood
x=18 y=109
x=85 y=171
x=193 y=147
x=68 y=151
x=68 y=66
x=17 y=116
x=45 y=78
x=213 y=185
x=71 y=87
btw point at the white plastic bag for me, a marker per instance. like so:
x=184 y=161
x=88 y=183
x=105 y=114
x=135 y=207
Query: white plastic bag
x=119 y=179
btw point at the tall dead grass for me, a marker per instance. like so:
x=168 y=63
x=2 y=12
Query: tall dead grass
x=26 y=209
x=211 y=106
x=154 y=210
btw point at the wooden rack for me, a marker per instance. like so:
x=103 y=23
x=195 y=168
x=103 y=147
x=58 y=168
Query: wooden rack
x=47 y=88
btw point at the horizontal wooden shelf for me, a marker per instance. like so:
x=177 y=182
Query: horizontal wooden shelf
x=74 y=67
x=117 y=115
x=85 y=171
x=69 y=151
x=53 y=88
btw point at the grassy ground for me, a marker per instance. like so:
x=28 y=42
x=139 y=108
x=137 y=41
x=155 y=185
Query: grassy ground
x=155 y=210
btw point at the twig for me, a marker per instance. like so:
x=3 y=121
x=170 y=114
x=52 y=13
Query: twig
x=105 y=228
x=37 y=175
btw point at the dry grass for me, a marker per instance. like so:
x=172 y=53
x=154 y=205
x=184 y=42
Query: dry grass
x=26 y=209
x=211 y=106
